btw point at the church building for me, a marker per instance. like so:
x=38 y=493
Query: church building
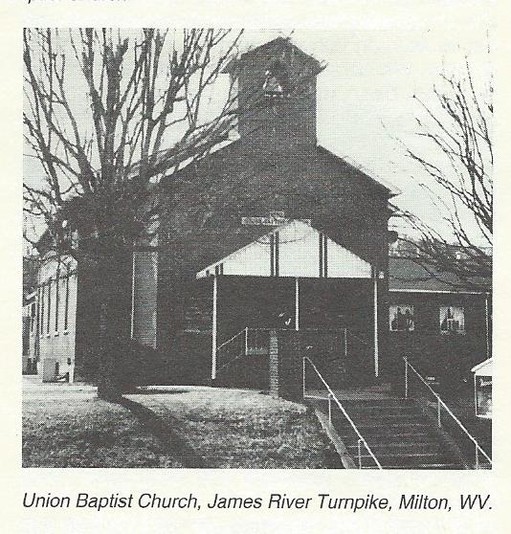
x=272 y=231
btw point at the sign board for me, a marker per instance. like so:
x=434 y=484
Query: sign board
x=483 y=396
x=275 y=218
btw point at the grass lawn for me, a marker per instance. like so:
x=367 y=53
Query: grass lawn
x=172 y=427
x=82 y=431
x=243 y=429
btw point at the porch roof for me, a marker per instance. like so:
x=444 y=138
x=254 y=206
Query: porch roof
x=293 y=249
x=484 y=368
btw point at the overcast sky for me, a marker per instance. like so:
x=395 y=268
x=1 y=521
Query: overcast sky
x=365 y=95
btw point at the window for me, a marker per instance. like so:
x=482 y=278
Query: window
x=276 y=82
x=48 y=317
x=57 y=283
x=66 y=304
x=452 y=320
x=41 y=310
x=402 y=318
x=32 y=317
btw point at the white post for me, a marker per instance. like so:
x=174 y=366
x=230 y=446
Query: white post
x=214 y=329
x=406 y=378
x=297 y=304
x=487 y=321
x=133 y=265
x=303 y=377
x=376 y=356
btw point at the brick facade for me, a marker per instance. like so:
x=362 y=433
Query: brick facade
x=276 y=165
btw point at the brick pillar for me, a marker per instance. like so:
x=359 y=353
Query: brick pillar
x=274 y=364
x=286 y=365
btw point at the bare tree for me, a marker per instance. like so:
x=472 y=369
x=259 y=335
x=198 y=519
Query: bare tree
x=102 y=108
x=457 y=127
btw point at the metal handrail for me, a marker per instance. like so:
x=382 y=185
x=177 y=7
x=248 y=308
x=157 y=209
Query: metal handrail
x=230 y=339
x=361 y=440
x=440 y=402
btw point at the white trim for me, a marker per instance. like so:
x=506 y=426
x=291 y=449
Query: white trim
x=376 y=348
x=487 y=325
x=210 y=269
x=202 y=272
x=133 y=293
x=214 y=328
x=297 y=304
x=481 y=365
x=453 y=292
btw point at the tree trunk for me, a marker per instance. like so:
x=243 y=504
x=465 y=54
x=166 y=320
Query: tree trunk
x=114 y=324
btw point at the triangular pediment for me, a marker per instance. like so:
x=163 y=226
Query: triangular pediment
x=294 y=249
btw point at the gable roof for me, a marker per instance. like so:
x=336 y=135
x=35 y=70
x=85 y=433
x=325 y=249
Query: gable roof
x=407 y=275
x=380 y=183
x=234 y=148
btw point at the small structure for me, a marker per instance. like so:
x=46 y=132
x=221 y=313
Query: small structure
x=483 y=378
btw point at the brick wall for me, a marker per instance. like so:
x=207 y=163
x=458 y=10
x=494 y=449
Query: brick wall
x=448 y=357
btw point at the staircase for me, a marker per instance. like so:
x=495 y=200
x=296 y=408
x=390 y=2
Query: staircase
x=396 y=430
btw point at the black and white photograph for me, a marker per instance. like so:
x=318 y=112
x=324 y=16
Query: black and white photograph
x=257 y=249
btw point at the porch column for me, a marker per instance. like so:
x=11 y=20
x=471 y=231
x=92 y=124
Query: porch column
x=214 y=328
x=297 y=304
x=376 y=355
x=487 y=324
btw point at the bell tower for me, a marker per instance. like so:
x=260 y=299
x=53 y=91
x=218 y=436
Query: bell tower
x=276 y=97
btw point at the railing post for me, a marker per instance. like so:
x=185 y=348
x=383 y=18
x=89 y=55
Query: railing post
x=360 y=453
x=440 y=405
x=330 y=408
x=246 y=340
x=406 y=377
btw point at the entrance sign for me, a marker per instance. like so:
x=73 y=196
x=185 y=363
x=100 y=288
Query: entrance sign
x=275 y=218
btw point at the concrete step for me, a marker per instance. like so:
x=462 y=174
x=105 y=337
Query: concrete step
x=386 y=401
x=396 y=430
x=407 y=459
x=381 y=422
x=394 y=437
x=441 y=465
x=383 y=414
x=399 y=433
x=400 y=448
